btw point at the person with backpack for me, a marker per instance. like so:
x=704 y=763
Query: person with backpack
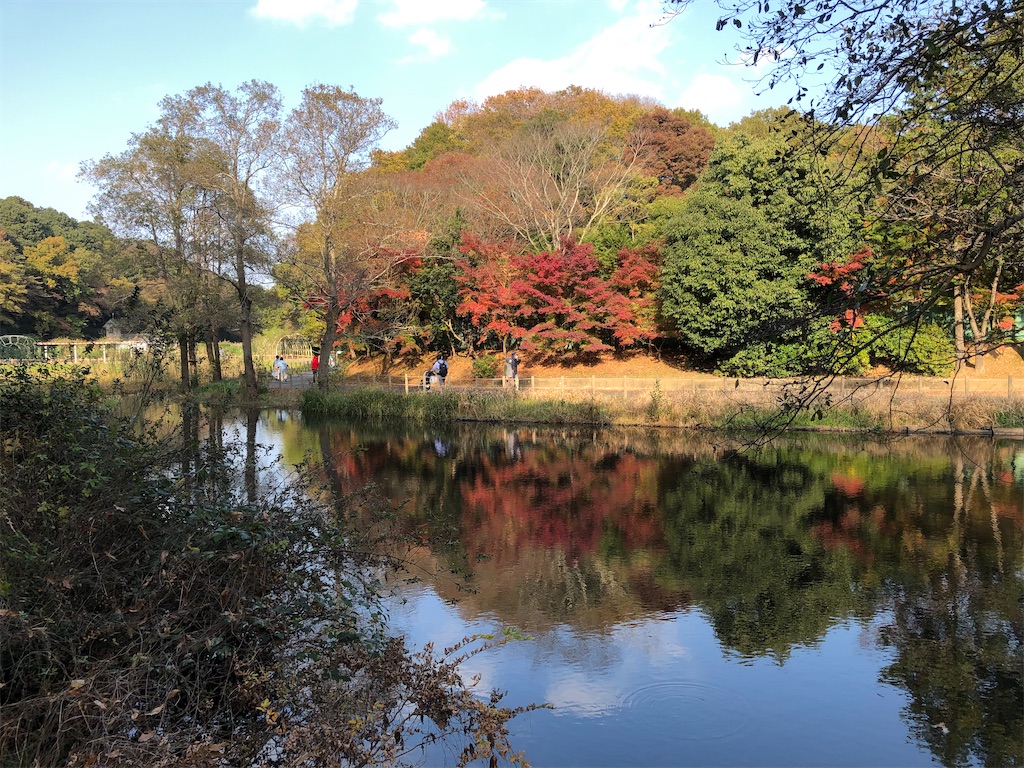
x=440 y=370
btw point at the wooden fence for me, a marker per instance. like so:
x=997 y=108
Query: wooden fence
x=115 y=353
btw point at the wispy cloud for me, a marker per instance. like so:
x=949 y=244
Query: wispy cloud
x=433 y=44
x=418 y=13
x=622 y=58
x=335 y=12
x=717 y=96
x=61 y=171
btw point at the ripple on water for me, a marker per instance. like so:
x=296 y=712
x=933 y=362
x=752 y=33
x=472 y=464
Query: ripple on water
x=683 y=709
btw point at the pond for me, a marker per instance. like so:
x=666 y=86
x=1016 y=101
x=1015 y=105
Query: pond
x=684 y=601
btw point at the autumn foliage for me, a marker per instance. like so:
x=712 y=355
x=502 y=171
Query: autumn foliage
x=557 y=301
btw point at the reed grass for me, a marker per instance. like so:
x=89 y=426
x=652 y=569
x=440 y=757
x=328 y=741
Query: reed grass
x=381 y=405
x=867 y=411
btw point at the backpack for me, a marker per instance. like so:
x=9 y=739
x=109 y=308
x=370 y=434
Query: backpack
x=442 y=369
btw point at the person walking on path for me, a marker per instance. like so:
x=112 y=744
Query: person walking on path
x=315 y=365
x=276 y=371
x=440 y=370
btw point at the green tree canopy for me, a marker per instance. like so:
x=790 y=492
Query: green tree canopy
x=741 y=245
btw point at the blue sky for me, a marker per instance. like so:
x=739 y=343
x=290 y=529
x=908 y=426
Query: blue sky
x=78 y=77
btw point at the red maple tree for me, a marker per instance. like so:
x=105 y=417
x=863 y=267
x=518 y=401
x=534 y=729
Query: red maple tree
x=557 y=301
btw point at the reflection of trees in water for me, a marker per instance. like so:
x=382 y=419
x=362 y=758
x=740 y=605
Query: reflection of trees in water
x=738 y=535
x=595 y=528
x=958 y=654
x=957 y=626
x=778 y=543
x=553 y=531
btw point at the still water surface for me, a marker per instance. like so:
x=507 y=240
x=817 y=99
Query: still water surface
x=823 y=601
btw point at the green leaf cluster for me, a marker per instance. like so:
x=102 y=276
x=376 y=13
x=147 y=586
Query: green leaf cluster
x=738 y=252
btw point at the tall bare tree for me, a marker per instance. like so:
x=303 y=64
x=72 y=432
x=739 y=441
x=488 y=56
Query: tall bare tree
x=149 y=193
x=552 y=179
x=328 y=138
x=241 y=133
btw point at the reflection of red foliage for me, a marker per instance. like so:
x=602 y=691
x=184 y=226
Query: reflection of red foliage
x=848 y=485
x=570 y=504
x=547 y=500
x=846 y=534
x=1008 y=510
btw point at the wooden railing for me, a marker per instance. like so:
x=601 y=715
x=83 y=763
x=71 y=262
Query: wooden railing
x=619 y=386
x=625 y=386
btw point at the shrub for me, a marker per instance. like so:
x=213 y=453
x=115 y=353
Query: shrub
x=821 y=351
x=486 y=367
x=153 y=609
x=770 y=360
x=926 y=349
x=381 y=405
x=1011 y=414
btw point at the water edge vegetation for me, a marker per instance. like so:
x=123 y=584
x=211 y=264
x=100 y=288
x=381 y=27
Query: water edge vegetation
x=162 y=604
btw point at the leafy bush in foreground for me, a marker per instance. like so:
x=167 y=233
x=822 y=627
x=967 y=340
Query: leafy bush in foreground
x=155 y=611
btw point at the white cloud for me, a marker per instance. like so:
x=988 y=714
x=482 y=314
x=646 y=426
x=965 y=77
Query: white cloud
x=434 y=45
x=408 y=13
x=584 y=695
x=622 y=58
x=618 y=5
x=335 y=12
x=62 y=171
x=717 y=96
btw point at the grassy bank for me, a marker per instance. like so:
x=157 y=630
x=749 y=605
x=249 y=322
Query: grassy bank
x=372 y=404
x=868 y=409
x=866 y=412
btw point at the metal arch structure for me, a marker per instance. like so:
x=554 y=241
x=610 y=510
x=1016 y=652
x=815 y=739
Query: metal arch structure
x=294 y=347
x=17 y=346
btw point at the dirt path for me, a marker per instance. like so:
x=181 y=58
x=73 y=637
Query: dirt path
x=1008 y=361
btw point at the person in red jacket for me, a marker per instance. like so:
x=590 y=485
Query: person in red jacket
x=315 y=365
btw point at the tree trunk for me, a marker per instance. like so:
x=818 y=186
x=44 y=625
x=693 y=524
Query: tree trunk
x=330 y=259
x=958 y=324
x=193 y=361
x=245 y=322
x=186 y=379
x=249 y=376
x=327 y=344
x=213 y=354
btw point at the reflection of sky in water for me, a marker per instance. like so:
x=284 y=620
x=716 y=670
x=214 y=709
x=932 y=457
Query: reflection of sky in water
x=663 y=692
x=270 y=441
